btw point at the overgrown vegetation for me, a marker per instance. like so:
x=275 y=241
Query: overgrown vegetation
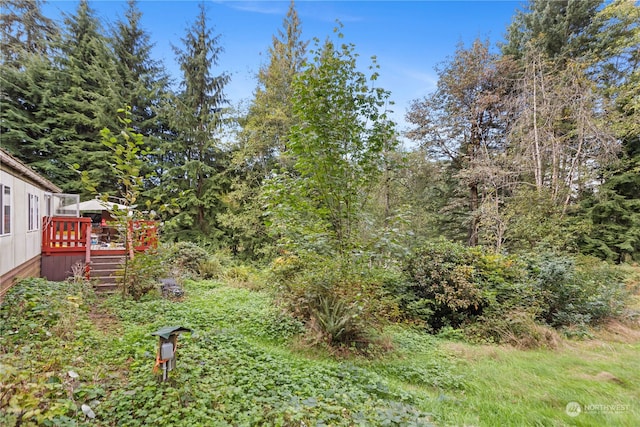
x=533 y=143
x=338 y=312
x=507 y=298
x=246 y=363
x=342 y=303
x=233 y=369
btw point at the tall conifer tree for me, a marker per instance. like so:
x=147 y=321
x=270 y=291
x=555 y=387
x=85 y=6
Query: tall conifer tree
x=195 y=178
x=264 y=137
x=84 y=99
x=142 y=85
x=27 y=45
x=613 y=212
x=142 y=79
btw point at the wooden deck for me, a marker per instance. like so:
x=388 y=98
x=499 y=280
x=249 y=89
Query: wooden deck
x=76 y=238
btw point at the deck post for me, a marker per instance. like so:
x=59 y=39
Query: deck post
x=87 y=256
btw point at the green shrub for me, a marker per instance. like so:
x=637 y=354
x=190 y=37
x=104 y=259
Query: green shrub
x=450 y=285
x=185 y=258
x=140 y=275
x=40 y=323
x=339 y=301
x=334 y=319
x=239 y=273
x=577 y=291
x=518 y=328
x=210 y=268
x=443 y=287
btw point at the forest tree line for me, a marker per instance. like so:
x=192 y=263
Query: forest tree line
x=532 y=143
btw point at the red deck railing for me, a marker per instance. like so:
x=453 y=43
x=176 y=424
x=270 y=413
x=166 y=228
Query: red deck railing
x=144 y=235
x=64 y=235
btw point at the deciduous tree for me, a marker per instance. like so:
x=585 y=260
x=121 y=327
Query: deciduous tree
x=462 y=122
x=338 y=141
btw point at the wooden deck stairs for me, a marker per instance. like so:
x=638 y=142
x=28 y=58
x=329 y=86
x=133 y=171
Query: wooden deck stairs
x=105 y=271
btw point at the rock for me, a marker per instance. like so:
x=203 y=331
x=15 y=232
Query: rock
x=170 y=288
x=86 y=409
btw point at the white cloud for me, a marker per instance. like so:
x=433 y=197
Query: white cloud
x=262 y=7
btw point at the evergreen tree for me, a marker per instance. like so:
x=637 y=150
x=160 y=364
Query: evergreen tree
x=24 y=29
x=195 y=179
x=264 y=137
x=559 y=28
x=142 y=85
x=463 y=122
x=266 y=132
x=83 y=100
x=23 y=100
x=614 y=212
x=561 y=131
x=614 y=60
x=142 y=79
x=27 y=43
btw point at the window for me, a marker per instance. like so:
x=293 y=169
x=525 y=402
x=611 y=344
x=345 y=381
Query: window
x=34 y=213
x=5 y=209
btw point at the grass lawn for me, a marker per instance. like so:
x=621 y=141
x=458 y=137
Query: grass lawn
x=245 y=364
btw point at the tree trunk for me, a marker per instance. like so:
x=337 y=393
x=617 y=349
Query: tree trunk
x=475 y=221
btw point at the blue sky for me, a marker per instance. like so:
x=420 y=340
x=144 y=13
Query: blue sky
x=408 y=38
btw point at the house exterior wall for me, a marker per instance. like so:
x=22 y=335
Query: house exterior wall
x=20 y=246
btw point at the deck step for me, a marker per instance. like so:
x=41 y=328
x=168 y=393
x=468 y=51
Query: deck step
x=104 y=269
x=106 y=287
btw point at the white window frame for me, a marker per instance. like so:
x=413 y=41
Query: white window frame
x=33 y=222
x=5 y=210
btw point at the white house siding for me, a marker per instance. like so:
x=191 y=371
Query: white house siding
x=21 y=246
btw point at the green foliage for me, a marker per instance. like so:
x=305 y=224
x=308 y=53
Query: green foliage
x=232 y=370
x=341 y=303
x=81 y=101
x=527 y=229
x=559 y=28
x=126 y=150
x=613 y=213
x=25 y=68
x=501 y=297
x=335 y=319
x=263 y=140
x=210 y=268
x=442 y=287
x=337 y=145
x=613 y=64
x=518 y=328
x=187 y=259
x=579 y=291
x=36 y=328
x=196 y=160
x=61 y=348
x=143 y=272
x=24 y=29
x=141 y=79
